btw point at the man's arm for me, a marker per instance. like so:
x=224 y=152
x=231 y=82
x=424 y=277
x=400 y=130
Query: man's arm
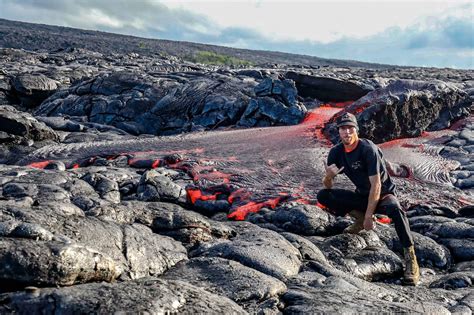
x=374 y=197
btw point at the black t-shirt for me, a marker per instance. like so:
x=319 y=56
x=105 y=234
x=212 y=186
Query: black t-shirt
x=364 y=161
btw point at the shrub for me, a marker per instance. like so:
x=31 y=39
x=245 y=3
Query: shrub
x=212 y=58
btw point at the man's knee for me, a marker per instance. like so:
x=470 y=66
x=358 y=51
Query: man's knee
x=324 y=196
x=390 y=206
x=395 y=211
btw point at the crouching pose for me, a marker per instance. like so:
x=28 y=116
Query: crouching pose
x=363 y=163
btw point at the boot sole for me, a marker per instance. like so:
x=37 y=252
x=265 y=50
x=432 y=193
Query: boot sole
x=410 y=282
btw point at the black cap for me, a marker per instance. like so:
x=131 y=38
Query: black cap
x=347 y=119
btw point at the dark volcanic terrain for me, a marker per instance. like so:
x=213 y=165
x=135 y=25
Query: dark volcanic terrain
x=136 y=177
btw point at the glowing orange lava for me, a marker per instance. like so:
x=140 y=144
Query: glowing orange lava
x=241 y=212
x=384 y=220
x=320 y=115
x=41 y=165
x=196 y=194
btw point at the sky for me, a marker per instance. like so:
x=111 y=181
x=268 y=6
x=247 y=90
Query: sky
x=430 y=33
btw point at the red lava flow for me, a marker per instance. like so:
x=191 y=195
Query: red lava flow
x=251 y=168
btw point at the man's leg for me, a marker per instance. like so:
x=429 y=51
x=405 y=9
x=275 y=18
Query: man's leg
x=390 y=206
x=341 y=201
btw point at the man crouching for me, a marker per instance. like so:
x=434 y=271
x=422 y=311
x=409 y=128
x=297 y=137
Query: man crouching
x=363 y=163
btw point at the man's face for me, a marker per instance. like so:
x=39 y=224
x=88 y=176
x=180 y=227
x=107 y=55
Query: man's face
x=348 y=134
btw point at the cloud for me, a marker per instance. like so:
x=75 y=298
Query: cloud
x=317 y=20
x=139 y=17
x=444 y=40
x=447 y=33
x=435 y=41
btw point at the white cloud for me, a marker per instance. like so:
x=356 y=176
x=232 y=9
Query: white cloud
x=98 y=17
x=322 y=21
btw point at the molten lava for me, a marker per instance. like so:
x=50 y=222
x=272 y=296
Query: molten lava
x=384 y=220
x=41 y=165
x=196 y=194
x=211 y=182
x=319 y=116
x=248 y=168
x=240 y=213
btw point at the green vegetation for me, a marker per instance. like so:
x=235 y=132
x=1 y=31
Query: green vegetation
x=211 y=58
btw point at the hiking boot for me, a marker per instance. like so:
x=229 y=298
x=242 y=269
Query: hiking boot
x=412 y=271
x=358 y=225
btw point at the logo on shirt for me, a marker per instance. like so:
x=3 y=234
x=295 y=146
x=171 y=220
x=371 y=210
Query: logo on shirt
x=356 y=165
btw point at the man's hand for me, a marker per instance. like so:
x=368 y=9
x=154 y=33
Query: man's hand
x=332 y=170
x=368 y=223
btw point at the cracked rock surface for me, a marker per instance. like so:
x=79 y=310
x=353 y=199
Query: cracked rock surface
x=134 y=181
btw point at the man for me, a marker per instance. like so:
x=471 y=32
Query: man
x=363 y=163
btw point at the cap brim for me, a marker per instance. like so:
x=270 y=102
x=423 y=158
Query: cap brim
x=347 y=123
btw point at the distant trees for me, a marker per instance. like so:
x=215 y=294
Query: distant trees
x=212 y=58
